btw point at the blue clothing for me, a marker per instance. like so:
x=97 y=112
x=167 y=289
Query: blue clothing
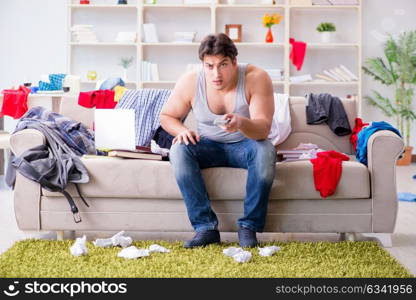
x=78 y=137
x=111 y=83
x=365 y=134
x=147 y=104
x=205 y=117
x=258 y=157
x=406 y=197
x=54 y=84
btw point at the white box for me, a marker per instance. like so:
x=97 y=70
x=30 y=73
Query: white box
x=150 y=34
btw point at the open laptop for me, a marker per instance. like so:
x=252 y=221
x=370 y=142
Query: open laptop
x=115 y=129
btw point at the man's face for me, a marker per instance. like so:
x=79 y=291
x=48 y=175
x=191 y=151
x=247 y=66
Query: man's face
x=219 y=71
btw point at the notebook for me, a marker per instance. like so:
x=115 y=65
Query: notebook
x=115 y=129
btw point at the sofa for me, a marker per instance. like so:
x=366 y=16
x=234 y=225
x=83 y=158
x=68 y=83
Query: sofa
x=142 y=195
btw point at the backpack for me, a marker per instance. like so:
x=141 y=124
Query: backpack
x=40 y=165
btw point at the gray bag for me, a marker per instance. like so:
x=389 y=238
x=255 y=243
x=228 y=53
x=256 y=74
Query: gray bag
x=41 y=165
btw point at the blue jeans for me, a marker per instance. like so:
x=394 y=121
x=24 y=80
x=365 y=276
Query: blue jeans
x=258 y=157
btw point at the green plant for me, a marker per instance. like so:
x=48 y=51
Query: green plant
x=126 y=62
x=397 y=70
x=326 y=26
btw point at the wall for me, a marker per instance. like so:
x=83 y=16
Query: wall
x=33 y=40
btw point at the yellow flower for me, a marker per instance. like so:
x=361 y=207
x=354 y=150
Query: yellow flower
x=269 y=21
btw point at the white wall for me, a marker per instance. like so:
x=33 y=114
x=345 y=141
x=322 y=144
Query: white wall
x=33 y=40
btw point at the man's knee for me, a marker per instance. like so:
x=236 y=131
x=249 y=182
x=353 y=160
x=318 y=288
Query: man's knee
x=265 y=160
x=178 y=153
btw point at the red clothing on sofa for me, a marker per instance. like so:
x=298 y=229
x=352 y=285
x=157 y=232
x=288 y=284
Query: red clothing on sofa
x=297 y=54
x=15 y=102
x=354 y=135
x=98 y=99
x=327 y=169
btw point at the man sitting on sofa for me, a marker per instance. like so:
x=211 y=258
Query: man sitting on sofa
x=233 y=106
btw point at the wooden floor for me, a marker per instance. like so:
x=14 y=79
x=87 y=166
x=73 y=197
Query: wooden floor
x=404 y=238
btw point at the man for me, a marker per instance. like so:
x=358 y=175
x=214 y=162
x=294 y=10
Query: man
x=240 y=98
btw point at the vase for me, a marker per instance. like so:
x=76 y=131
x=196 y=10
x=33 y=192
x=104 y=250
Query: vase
x=327 y=37
x=269 y=36
x=124 y=75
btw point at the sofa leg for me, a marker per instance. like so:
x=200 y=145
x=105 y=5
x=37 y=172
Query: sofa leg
x=60 y=235
x=383 y=238
x=350 y=236
x=347 y=236
x=71 y=234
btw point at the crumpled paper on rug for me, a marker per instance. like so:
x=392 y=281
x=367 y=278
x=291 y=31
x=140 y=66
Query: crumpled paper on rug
x=132 y=252
x=268 y=251
x=116 y=240
x=242 y=257
x=238 y=254
x=79 y=247
x=158 y=248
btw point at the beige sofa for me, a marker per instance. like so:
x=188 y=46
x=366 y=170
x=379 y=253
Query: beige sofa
x=142 y=195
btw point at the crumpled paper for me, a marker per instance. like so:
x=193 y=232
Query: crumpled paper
x=79 y=247
x=231 y=251
x=242 y=257
x=132 y=252
x=238 y=254
x=268 y=251
x=158 y=248
x=116 y=240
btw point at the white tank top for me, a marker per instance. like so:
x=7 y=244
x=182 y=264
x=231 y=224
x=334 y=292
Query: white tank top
x=205 y=117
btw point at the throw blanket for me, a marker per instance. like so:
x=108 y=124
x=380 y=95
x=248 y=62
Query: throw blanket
x=147 y=104
x=365 y=134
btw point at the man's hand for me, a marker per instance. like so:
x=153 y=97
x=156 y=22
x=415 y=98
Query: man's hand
x=186 y=136
x=234 y=123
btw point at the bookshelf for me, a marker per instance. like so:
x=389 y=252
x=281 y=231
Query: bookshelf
x=299 y=22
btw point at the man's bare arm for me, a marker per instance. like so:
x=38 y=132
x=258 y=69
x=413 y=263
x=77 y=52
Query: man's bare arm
x=176 y=108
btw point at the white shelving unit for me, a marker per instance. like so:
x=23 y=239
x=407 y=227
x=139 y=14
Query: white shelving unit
x=299 y=22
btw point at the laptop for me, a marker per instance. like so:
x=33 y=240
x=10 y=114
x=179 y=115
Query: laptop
x=115 y=129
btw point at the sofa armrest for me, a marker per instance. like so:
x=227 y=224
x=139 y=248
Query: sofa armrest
x=27 y=193
x=383 y=149
x=26 y=139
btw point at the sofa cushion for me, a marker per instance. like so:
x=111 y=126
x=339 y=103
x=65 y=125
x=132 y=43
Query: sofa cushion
x=134 y=178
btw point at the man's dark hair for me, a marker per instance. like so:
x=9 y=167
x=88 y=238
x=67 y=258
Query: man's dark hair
x=217 y=44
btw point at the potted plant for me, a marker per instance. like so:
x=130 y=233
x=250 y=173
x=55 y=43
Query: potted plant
x=125 y=63
x=269 y=21
x=396 y=70
x=326 y=30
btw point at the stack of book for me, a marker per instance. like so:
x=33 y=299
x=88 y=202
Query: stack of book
x=84 y=34
x=139 y=153
x=149 y=71
x=297 y=154
x=340 y=73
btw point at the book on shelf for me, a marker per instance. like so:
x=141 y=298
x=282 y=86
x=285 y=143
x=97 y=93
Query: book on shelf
x=339 y=74
x=301 y=78
x=150 y=34
x=139 y=153
x=343 y=2
x=149 y=71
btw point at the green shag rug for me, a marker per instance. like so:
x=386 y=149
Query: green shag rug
x=45 y=258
